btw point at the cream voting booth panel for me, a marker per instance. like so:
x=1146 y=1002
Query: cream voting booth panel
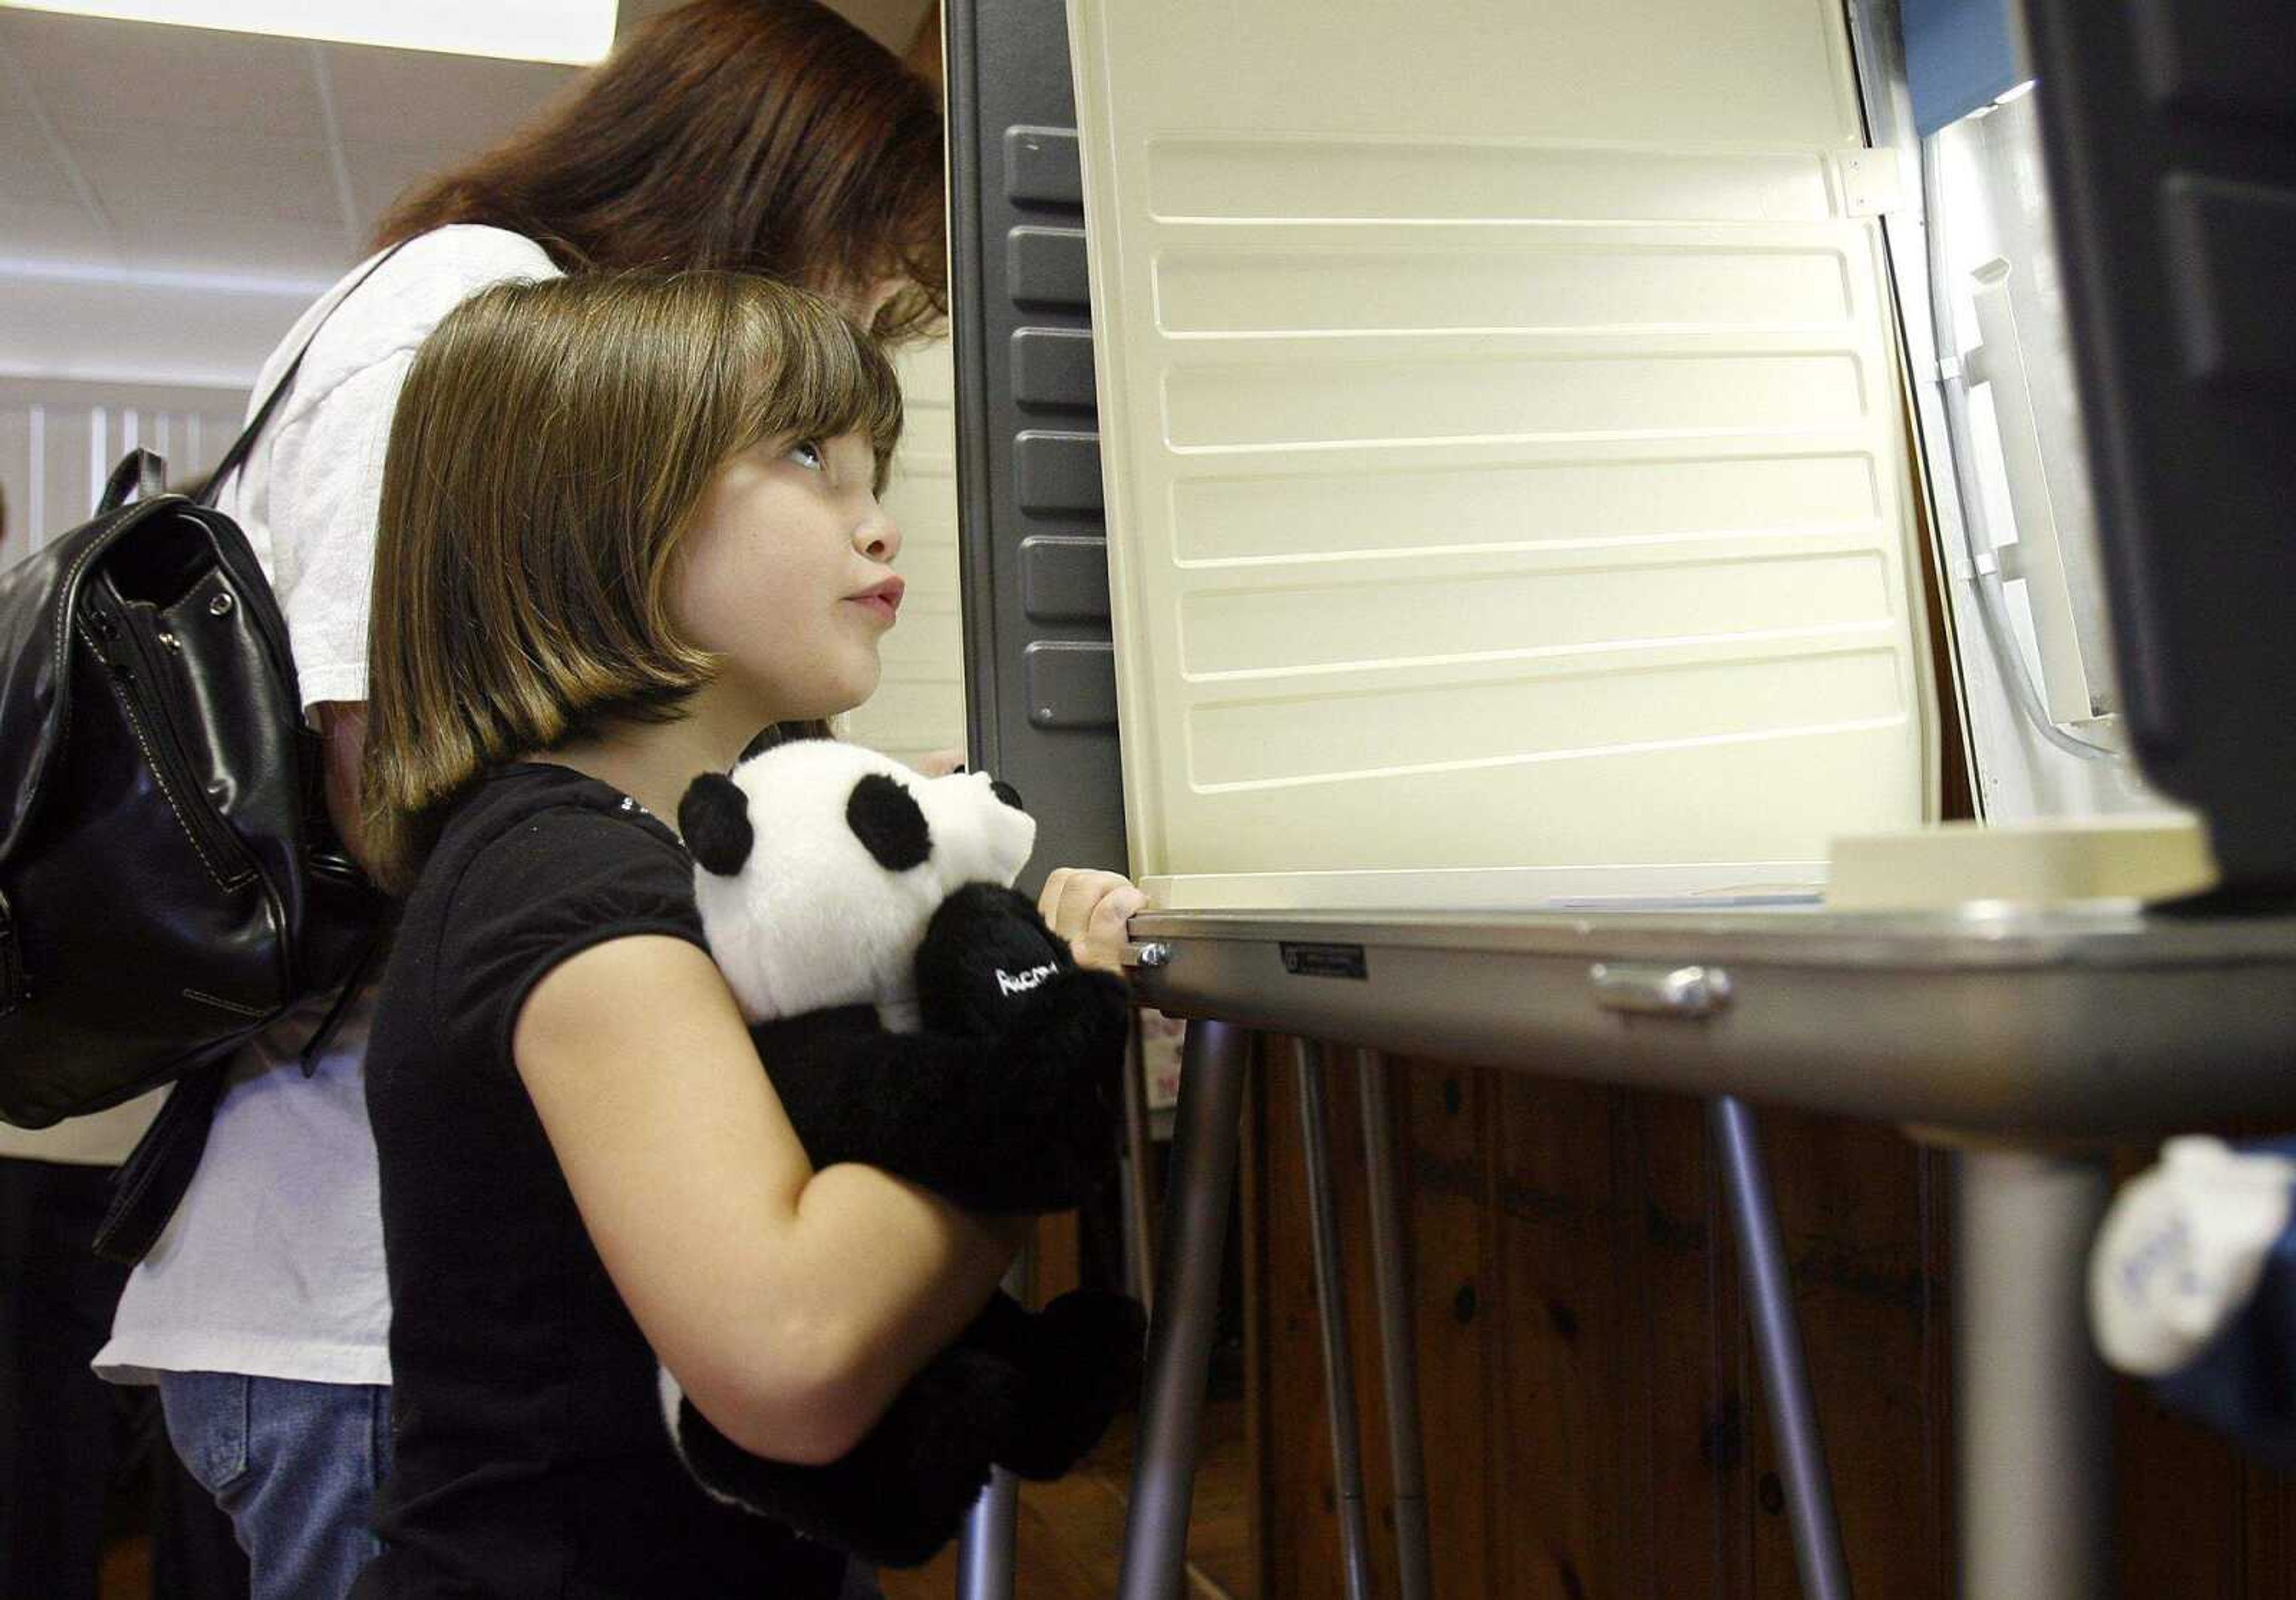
x=1504 y=449
x=919 y=706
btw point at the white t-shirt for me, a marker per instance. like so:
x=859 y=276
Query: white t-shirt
x=272 y=1264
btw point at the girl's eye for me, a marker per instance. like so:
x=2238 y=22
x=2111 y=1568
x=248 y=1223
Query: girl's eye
x=807 y=453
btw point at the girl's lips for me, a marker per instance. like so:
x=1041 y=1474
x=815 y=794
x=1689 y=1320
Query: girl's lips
x=884 y=602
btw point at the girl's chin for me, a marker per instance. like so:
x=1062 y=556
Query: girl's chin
x=833 y=700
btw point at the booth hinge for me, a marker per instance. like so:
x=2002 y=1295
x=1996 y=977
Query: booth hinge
x=1872 y=182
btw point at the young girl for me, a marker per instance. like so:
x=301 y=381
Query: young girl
x=624 y=523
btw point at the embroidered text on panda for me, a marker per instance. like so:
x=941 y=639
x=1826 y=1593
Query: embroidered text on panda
x=1020 y=984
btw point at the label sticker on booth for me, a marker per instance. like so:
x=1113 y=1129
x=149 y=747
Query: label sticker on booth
x=1323 y=961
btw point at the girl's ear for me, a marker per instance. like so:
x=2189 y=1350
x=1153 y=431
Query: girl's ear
x=714 y=817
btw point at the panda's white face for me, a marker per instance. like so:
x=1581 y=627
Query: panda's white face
x=820 y=862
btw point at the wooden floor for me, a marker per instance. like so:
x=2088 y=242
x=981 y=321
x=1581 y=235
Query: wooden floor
x=1071 y=1533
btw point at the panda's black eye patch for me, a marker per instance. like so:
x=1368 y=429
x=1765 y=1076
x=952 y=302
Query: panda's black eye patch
x=714 y=819
x=886 y=819
x=1005 y=791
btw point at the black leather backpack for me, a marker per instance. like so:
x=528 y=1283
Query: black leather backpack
x=169 y=882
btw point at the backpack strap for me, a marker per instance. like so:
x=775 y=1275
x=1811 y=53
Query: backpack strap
x=147 y=1189
x=236 y=456
x=140 y=473
x=316 y=1045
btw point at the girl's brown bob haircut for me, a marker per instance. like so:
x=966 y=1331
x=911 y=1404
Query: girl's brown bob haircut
x=550 y=446
x=737 y=135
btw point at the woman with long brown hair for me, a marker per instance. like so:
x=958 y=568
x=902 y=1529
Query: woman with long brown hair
x=755 y=136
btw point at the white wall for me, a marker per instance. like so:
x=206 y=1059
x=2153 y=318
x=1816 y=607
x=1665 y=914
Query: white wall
x=59 y=438
x=919 y=706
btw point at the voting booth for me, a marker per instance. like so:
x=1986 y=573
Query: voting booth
x=1519 y=524
x=1500 y=417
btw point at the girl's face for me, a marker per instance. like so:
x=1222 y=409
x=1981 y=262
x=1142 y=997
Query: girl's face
x=787 y=576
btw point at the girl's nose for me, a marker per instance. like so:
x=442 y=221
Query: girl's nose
x=877 y=537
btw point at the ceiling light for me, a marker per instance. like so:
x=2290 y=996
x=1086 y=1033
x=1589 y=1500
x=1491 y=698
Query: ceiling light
x=576 y=32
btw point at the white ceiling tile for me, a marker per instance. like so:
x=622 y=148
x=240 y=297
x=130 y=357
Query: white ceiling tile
x=17 y=125
x=98 y=72
x=155 y=332
x=207 y=150
x=381 y=172
x=238 y=245
x=457 y=104
x=30 y=175
x=219 y=175
x=62 y=234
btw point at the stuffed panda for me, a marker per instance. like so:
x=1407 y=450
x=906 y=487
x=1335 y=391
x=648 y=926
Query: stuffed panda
x=916 y=1014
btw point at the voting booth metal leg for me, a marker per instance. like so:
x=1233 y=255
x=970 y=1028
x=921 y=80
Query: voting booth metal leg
x=1331 y=1316
x=984 y=1550
x=1215 y=1060
x=1398 y=1354
x=1778 y=1349
x=1139 y=1158
x=984 y=1545
x=2032 y=1404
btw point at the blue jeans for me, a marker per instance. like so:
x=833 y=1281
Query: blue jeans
x=294 y=1465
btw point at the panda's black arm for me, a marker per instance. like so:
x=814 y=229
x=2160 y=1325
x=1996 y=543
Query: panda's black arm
x=1021 y=1122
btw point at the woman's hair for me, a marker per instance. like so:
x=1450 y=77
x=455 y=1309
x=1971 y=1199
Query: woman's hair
x=550 y=448
x=768 y=136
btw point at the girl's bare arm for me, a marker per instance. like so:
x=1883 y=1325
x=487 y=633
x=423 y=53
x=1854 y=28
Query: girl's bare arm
x=790 y=1304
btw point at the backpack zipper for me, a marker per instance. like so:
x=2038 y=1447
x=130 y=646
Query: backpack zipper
x=141 y=679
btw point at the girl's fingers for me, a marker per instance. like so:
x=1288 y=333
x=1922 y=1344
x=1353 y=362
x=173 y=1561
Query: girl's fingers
x=1088 y=910
x=1117 y=908
x=1048 y=900
x=1103 y=944
x=1080 y=891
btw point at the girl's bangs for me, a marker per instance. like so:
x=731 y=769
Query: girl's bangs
x=812 y=373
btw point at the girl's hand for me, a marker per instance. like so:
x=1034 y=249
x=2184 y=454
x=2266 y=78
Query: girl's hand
x=1089 y=910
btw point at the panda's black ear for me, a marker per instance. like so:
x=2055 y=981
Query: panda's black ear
x=885 y=818
x=1005 y=791
x=714 y=817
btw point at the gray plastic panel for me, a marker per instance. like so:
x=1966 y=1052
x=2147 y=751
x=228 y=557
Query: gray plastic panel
x=2169 y=135
x=1039 y=666
x=1070 y=685
x=1042 y=167
x=2233 y=58
x=2234 y=250
x=1051 y=366
x=1064 y=580
x=1058 y=471
x=1047 y=266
